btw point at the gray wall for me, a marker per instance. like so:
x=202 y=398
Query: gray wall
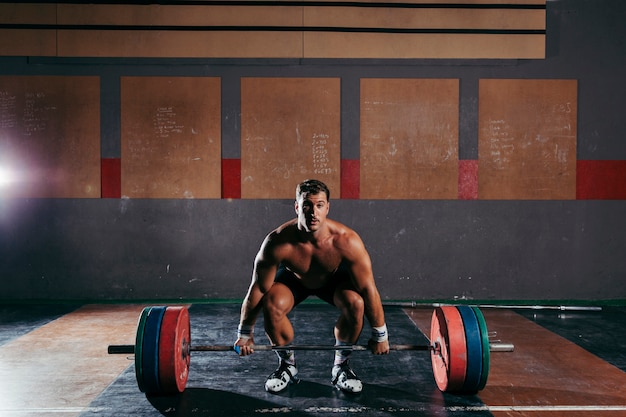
x=203 y=249
x=109 y=249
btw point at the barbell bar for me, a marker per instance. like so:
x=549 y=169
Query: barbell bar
x=417 y=304
x=130 y=349
x=459 y=349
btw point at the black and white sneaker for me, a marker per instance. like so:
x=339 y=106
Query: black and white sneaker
x=281 y=378
x=345 y=379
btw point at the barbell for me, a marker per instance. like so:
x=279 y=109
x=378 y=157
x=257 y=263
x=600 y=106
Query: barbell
x=418 y=304
x=459 y=348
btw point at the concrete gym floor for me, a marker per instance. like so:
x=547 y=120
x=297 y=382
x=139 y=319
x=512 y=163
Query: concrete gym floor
x=54 y=362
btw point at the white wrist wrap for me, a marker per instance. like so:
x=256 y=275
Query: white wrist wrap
x=245 y=331
x=379 y=334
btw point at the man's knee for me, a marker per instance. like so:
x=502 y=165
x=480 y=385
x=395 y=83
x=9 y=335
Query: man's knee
x=277 y=303
x=352 y=303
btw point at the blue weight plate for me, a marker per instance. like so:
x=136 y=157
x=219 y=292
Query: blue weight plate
x=474 y=350
x=150 y=351
x=486 y=348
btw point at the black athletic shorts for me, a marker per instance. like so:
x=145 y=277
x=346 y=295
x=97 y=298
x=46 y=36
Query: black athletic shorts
x=300 y=292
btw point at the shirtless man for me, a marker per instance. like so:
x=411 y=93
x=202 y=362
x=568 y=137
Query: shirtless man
x=313 y=255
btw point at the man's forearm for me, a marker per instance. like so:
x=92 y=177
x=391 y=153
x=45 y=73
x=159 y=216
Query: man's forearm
x=251 y=307
x=374 y=308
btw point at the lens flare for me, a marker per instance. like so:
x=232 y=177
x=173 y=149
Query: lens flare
x=6 y=176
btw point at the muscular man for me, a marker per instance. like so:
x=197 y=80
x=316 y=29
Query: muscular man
x=312 y=255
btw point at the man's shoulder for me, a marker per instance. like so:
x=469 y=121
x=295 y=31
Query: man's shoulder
x=286 y=228
x=343 y=234
x=283 y=233
x=340 y=229
x=278 y=240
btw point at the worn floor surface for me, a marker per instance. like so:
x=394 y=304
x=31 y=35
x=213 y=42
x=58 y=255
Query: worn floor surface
x=53 y=362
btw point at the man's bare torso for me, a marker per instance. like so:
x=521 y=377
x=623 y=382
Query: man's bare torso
x=312 y=260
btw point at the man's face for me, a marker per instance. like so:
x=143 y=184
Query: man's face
x=312 y=210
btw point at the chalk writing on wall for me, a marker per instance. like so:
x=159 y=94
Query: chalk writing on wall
x=527 y=139
x=50 y=135
x=290 y=131
x=8 y=110
x=501 y=143
x=33 y=113
x=321 y=157
x=171 y=137
x=165 y=122
x=409 y=138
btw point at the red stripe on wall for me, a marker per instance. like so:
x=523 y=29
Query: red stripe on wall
x=468 y=179
x=111 y=177
x=350 y=179
x=231 y=178
x=600 y=180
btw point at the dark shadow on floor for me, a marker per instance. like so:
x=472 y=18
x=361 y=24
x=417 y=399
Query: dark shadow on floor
x=214 y=403
x=313 y=399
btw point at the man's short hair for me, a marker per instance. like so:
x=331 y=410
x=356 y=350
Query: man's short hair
x=307 y=187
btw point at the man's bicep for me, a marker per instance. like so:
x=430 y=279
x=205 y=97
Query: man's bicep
x=360 y=264
x=362 y=273
x=264 y=277
x=265 y=267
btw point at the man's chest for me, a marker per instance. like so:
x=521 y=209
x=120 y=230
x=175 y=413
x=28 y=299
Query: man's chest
x=308 y=260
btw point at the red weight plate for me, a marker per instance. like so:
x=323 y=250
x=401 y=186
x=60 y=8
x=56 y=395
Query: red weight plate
x=457 y=349
x=174 y=350
x=439 y=355
x=449 y=358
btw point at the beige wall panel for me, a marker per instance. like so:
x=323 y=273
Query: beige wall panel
x=171 y=137
x=50 y=136
x=27 y=42
x=527 y=139
x=290 y=131
x=179 y=15
x=409 y=138
x=27 y=13
x=381 y=45
x=24 y=42
x=160 y=44
x=424 y=18
x=293 y=16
